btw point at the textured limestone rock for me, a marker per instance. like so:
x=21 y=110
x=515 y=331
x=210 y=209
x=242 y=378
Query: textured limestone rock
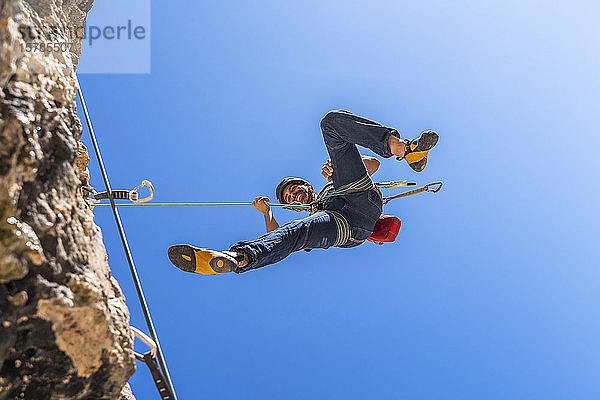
x=64 y=326
x=126 y=393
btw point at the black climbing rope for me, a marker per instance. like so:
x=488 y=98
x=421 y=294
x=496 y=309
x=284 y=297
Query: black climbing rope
x=132 y=269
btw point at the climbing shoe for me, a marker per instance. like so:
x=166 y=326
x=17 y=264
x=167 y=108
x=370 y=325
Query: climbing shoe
x=202 y=261
x=417 y=149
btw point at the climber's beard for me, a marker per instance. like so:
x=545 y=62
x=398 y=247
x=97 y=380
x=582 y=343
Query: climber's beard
x=303 y=194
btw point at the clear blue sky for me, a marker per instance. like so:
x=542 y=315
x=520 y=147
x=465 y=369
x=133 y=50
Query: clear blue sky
x=491 y=289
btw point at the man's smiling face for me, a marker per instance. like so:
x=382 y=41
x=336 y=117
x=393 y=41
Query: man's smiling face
x=300 y=192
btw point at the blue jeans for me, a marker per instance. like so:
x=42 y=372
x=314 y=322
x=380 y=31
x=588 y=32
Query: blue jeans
x=342 y=132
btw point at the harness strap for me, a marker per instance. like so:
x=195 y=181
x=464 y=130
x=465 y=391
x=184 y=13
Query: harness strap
x=360 y=185
x=363 y=184
x=343 y=228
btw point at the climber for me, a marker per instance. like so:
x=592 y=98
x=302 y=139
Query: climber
x=349 y=205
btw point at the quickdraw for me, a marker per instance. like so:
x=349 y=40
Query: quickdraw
x=427 y=188
x=132 y=194
x=149 y=358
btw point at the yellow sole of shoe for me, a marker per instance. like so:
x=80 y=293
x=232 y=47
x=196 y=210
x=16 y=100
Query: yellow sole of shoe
x=200 y=261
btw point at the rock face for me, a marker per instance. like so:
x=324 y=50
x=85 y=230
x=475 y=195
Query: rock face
x=64 y=326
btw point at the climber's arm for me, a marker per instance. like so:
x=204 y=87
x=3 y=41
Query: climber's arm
x=260 y=203
x=371 y=164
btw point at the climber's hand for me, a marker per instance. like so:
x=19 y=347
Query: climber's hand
x=260 y=203
x=327 y=170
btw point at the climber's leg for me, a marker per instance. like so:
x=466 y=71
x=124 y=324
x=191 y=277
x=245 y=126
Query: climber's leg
x=342 y=131
x=320 y=230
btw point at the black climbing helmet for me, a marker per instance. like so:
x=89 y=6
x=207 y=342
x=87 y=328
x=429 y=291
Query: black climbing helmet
x=284 y=182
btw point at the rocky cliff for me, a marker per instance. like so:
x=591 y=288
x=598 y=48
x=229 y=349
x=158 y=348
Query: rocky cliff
x=64 y=326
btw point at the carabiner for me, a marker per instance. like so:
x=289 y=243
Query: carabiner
x=133 y=194
x=433 y=184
